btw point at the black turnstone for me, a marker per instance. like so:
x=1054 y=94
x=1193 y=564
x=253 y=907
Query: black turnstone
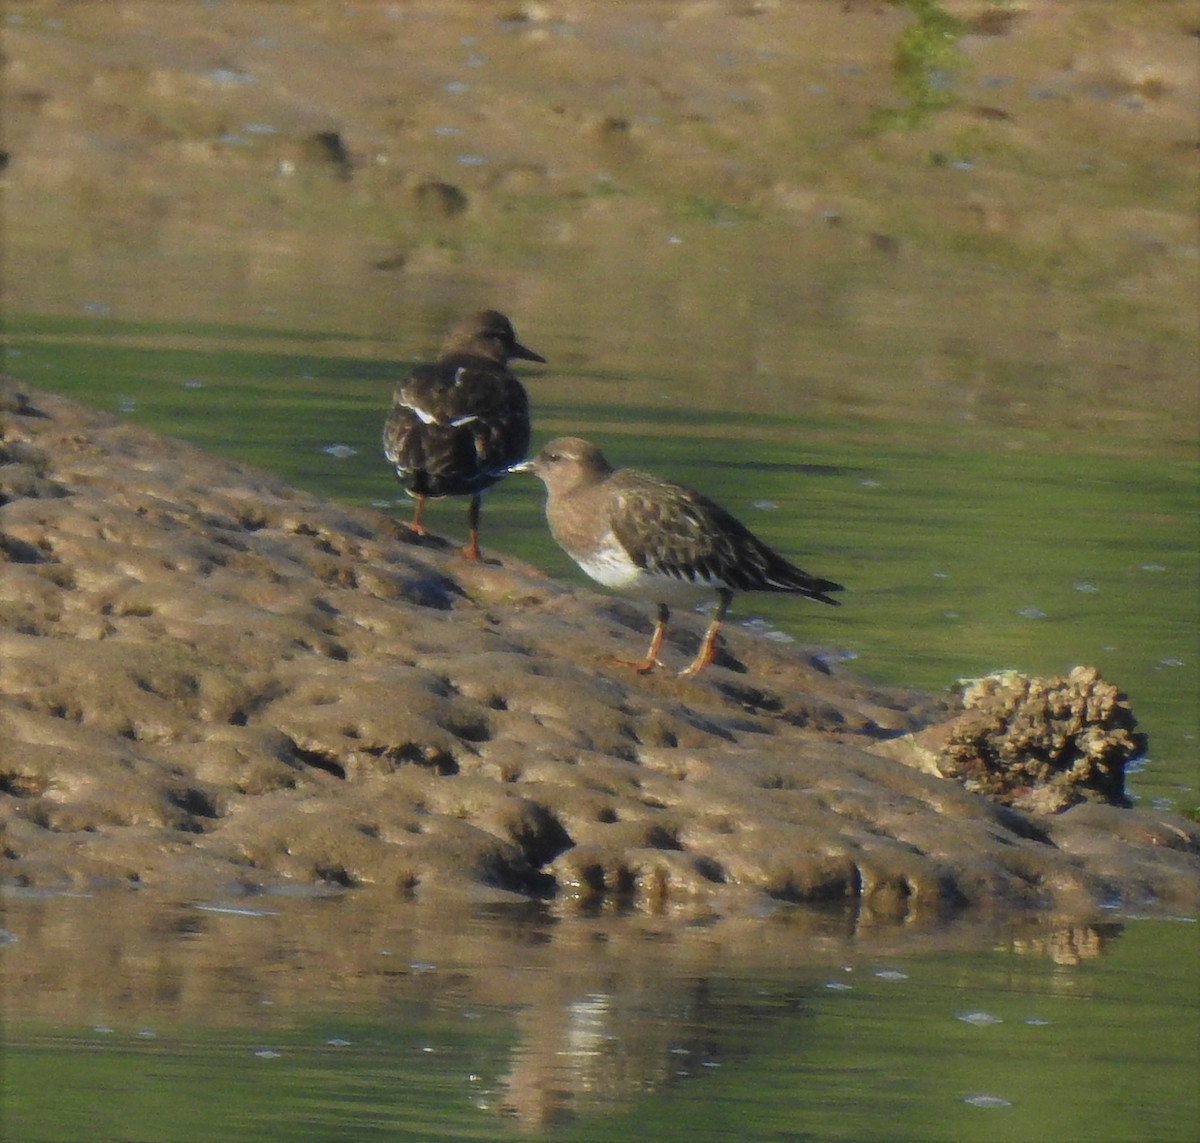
x=647 y=537
x=459 y=423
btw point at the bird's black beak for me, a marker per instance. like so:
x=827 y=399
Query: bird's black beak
x=518 y=350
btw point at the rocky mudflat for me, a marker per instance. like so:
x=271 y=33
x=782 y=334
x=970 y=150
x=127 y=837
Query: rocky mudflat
x=210 y=681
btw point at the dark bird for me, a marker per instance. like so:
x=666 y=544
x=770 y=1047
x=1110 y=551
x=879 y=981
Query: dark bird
x=647 y=537
x=458 y=424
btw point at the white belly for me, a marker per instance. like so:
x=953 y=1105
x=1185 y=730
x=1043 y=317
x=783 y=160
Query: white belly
x=613 y=568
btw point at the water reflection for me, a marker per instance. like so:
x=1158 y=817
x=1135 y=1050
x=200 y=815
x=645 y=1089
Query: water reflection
x=592 y=1012
x=1070 y=945
x=594 y=1052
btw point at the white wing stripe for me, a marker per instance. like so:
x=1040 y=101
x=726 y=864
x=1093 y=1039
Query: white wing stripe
x=426 y=417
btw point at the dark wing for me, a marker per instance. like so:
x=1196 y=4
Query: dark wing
x=456 y=426
x=493 y=409
x=671 y=530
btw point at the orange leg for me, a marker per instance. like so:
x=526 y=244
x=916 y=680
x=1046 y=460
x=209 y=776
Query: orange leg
x=651 y=660
x=415 y=526
x=471 y=551
x=705 y=655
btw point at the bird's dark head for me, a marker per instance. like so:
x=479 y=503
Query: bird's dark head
x=487 y=334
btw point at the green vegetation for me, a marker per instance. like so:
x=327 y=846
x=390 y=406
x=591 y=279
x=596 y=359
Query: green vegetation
x=924 y=64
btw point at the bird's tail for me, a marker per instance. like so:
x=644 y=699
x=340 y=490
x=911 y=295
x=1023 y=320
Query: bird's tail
x=817 y=588
x=785 y=576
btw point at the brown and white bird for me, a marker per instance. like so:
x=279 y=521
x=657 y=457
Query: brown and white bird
x=644 y=536
x=459 y=423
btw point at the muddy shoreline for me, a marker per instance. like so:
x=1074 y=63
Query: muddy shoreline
x=212 y=683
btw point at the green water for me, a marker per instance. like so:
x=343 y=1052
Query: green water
x=992 y=1044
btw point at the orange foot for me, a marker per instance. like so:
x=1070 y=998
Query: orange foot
x=644 y=667
x=705 y=656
